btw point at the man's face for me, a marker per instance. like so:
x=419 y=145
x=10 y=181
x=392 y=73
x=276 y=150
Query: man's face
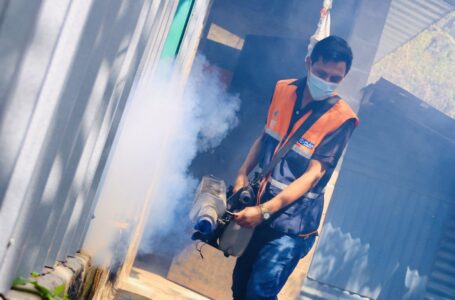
x=329 y=71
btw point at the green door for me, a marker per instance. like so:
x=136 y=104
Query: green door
x=177 y=30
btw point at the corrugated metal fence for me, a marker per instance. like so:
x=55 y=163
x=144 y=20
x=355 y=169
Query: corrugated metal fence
x=388 y=233
x=406 y=19
x=67 y=68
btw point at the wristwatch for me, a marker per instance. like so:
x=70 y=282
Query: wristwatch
x=265 y=213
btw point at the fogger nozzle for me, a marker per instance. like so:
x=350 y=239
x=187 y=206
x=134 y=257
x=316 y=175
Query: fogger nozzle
x=204 y=225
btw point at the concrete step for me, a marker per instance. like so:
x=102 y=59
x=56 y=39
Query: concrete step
x=143 y=285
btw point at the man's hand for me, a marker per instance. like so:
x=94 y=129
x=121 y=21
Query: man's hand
x=240 y=182
x=249 y=217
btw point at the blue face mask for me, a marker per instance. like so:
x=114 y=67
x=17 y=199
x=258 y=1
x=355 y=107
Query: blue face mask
x=319 y=88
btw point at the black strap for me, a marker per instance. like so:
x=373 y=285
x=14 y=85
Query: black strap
x=315 y=115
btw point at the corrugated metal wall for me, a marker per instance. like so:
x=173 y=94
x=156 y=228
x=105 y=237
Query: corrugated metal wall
x=441 y=284
x=408 y=18
x=67 y=70
x=388 y=232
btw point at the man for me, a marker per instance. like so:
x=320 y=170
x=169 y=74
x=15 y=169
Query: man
x=291 y=197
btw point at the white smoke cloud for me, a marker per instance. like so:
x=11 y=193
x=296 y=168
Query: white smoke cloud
x=161 y=133
x=215 y=111
x=205 y=115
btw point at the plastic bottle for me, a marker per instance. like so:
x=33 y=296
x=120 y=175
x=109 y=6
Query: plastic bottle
x=209 y=204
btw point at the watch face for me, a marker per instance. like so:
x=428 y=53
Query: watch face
x=266 y=216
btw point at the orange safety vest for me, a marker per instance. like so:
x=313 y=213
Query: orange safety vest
x=302 y=217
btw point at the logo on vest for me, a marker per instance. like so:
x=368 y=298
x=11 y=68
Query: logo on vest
x=274 y=116
x=306 y=143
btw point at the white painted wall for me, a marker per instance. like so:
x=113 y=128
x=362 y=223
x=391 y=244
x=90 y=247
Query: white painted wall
x=67 y=68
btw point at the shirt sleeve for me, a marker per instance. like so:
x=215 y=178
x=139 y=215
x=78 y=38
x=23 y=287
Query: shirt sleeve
x=330 y=149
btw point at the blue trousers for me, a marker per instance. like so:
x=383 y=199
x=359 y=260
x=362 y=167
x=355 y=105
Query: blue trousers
x=266 y=264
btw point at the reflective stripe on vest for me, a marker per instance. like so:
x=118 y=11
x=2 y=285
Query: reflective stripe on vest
x=273 y=134
x=282 y=186
x=301 y=151
x=278 y=184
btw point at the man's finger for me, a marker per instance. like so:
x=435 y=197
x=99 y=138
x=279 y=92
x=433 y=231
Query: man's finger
x=238 y=216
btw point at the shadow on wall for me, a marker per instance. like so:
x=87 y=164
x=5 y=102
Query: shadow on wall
x=343 y=255
x=14 y=39
x=3 y=8
x=347 y=255
x=72 y=114
x=77 y=121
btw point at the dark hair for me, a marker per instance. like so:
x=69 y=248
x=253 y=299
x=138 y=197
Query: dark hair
x=332 y=48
